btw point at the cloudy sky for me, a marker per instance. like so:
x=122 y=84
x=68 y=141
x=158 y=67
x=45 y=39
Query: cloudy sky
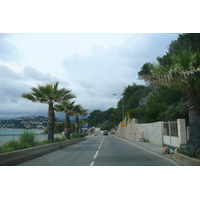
x=93 y=66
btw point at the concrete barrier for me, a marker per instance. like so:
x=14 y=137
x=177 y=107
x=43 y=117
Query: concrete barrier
x=185 y=160
x=19 y=156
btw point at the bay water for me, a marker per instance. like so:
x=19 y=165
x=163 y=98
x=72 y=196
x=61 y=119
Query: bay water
x=19 y=131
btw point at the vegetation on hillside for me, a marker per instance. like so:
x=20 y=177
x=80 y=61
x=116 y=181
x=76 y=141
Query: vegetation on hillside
x=171 y=91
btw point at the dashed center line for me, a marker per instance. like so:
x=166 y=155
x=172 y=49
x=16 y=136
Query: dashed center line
x=95 y=156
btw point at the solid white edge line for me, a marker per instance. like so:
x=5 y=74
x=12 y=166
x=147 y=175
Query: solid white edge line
x=92 y=163
x=170 y=160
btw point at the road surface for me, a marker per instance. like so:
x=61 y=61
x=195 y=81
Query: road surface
x=99 y=151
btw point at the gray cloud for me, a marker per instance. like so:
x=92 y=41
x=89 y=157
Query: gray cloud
x=31 y=73
x=13 y=84
x=5 y=72
x=96 y=76
x=8 y=51
x=92 y=77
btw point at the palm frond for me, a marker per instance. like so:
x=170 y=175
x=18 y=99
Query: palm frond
x=183 y=70
x=49 y=93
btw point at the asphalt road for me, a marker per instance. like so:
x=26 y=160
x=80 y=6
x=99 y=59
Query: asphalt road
x=99 y=151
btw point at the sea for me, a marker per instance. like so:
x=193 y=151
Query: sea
x=19 y=131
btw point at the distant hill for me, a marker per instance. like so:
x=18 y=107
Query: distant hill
x=42 y=118
x=26 y=122
x=35 y=118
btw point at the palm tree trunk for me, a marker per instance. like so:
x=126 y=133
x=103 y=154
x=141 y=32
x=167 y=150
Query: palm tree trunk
x=51 y=122
x=77 y=125
x=67 y=127
x=80 y=129
x=193 y=104
x=194 y=127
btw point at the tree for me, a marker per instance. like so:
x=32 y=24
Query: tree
x=159 y=101
x=78 y=110
x=49 y=94
x=144 y=71
x=83 y=112
x=95 y=118
x=183 y=75
x=82 y=122
x=132 y=97
x=185 y=41
x=67 y=108
x=59 y=127
x=103 y=119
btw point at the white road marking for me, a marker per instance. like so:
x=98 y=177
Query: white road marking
x=92 y=163
x=147 y=150
x=96 y=154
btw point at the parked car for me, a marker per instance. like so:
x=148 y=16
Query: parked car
x=105 y=132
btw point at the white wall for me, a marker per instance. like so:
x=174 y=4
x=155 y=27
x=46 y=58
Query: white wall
x=152 y=132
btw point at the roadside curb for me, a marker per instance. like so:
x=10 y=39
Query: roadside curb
x=185 y=160
x=19 y=156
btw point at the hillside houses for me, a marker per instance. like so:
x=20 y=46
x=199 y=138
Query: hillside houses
x=37 y=122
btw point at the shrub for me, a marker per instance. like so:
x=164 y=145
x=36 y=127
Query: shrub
x=188 y=150
x=5 y=149
x=39 y=143
x=59 y=127
x=13 y=144
x=57 y=140
x=24 y=145
x=82 y=134
x=28 y=138
x=75 y=135
x=45 y=142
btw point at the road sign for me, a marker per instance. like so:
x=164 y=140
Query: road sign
x=85 y=127
x=123 y=125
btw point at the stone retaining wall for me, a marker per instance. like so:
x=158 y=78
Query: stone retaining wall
x=152 y=132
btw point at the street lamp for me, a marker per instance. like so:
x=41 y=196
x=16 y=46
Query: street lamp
x=122 y=106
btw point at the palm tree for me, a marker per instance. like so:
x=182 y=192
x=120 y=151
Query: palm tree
x=49 y=94
x=79 y=110
x=183 y=75
x=76 y=112
x=83 y=112
x=67 y=108
x=81 y=123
